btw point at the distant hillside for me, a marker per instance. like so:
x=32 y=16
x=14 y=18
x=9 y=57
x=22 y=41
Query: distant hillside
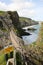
x=27 y=21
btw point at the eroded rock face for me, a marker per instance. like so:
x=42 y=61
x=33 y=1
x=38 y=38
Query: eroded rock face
x=8 y=21
x=15 y=18
x=5 y=26
x=5 y=21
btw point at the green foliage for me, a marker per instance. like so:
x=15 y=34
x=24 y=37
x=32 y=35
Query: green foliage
x=3 y=58
x=18 y=58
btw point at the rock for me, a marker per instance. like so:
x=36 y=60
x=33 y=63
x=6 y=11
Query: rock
x=31 y=29
x=15 y=18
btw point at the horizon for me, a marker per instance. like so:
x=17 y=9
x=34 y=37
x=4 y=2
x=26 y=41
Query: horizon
x=25 y=8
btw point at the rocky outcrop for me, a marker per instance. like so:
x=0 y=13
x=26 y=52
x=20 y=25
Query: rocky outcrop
x=6 y=21
x=5 y=26
x=15 y=18
x=9 y=21
x=10 y=29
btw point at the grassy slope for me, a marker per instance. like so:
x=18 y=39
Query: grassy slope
x=2 y=12
x=27 y=21
x=2 y=59
x=22 y=18
x=25 y=18
x=36 y=49
x=40 y=39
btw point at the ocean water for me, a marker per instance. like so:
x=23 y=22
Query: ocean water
x=34 y=34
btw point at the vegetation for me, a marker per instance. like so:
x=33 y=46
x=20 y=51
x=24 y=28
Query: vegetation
x=18 y=58
x=12 y=20
x=27 y=21
x=5 y=57
x=2 y=59
x=2 y=12
x=24 y=18
x=35 y=50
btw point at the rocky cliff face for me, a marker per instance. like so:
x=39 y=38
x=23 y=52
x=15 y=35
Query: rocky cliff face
x=15 y=18
x=5 y=25
x=9 y=20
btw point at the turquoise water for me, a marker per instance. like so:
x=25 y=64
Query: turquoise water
x=34 y=35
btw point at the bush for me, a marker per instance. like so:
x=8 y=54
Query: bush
x=18 y=58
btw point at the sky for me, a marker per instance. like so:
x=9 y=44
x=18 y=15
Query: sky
x=27 y=8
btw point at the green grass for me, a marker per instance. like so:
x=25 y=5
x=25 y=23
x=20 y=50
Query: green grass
x=36 y=49
x=2 y=12
x=24 y=18
x=40 y=39
x=2 y=59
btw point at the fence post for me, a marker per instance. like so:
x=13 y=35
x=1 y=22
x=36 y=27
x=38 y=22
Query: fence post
x=14 y=57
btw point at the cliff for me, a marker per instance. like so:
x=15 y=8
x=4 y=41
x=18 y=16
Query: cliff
x=11 y=31
x=9 y=21
x=27 y=21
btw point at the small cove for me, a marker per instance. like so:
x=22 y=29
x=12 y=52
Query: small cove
x=34 y=34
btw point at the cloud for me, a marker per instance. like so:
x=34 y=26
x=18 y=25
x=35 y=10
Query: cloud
x=2 y=6
x=23 y=7
x=26 y=12
x=16 y=4
x=21 y=0
x=20 y=4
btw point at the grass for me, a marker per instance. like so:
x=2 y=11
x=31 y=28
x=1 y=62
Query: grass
x=36 y=49
x=2 y=59
x=24 y=18
x=40 y=39
x=2 y=12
